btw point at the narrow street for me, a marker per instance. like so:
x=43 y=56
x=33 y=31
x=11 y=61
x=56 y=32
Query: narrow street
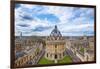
x=74 y=57
x=36 y=58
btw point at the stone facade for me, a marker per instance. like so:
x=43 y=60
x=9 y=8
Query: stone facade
x=55 y=46
x=27 y=51
x=87 y=44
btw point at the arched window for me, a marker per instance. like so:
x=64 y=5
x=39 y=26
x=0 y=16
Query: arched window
x=55 y=46
x=55 y=56
x=47 y=54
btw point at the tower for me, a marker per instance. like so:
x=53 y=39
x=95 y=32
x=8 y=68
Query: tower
x=20 y=35
x=55 y=46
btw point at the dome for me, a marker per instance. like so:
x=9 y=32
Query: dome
x=55 y=34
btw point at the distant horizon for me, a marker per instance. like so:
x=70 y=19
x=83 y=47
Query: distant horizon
x=39 y=20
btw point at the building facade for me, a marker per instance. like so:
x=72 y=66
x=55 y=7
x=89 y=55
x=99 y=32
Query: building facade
x=55 y=46
x=27 y=51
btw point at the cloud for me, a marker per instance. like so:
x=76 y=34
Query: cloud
x=26 y=17
x=23 y=25
x=40 y=28
x=40 y=20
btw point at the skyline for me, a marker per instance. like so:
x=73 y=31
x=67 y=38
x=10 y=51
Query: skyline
x=39 y=20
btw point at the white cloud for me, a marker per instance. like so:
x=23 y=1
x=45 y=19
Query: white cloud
x=64 y=14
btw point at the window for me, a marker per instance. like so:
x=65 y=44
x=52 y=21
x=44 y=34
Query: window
x=56 y=56
x=55 y=46
x=47 y=54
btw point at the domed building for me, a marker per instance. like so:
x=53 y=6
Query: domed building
x=55 y=46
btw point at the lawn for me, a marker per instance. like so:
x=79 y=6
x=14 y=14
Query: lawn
x=43 y=60
x=82 y=50
x=66 y=59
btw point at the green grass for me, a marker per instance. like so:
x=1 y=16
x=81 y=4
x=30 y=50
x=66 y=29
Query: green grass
x=66 y=59
x=82 y=50
x=43 y=60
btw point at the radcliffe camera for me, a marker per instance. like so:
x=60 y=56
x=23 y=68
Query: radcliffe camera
x=53 y=34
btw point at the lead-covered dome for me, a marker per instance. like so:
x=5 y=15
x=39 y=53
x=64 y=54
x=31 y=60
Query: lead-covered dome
x=55 y=34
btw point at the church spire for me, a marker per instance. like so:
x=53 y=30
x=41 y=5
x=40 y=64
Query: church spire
x=20 y=35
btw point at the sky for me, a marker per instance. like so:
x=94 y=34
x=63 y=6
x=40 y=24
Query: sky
x=39 y=20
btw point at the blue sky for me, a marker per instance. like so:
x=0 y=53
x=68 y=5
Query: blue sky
x=39 y=20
